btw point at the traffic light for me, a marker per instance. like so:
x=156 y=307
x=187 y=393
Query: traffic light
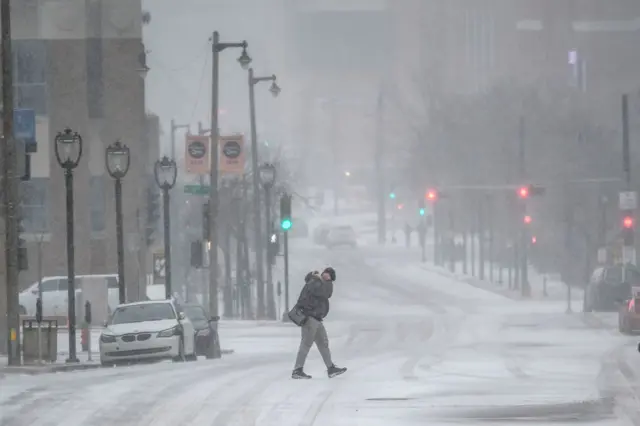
x=206 y=227
x=534 y=240
x=400 y=206
x=421 y=207
x=153 y=213
x=273 y=247
x=285 y=212
x=627 y=222
x=422 y=212
x=527 y=219
x=432 y=195
x=526 y=191
x=392 y=195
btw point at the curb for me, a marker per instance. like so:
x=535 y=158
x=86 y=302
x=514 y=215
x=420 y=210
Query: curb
x=36 y=370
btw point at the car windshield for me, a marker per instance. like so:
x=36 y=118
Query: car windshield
x=143 y=312
x=195 y=313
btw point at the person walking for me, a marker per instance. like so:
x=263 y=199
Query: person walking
x=314 y=303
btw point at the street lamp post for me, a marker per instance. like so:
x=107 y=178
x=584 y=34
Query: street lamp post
x=244 y=61
x=166 y=172
x=68 y=149
x=268 y=178
x=117 y=160
x=275 y=91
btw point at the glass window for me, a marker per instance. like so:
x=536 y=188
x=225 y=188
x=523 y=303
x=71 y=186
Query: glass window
x=98 y=203
x=35 y=205
x=143 y=312
x=195 y=313
x=33 y=96
x=30 y=61
x=613 y=275
x=95 y=84
x=50 y=285
x=63 y=284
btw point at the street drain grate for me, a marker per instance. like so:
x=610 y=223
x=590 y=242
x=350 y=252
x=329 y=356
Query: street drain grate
x=389 y=399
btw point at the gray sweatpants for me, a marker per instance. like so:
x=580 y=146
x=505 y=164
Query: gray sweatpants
x=313 y=331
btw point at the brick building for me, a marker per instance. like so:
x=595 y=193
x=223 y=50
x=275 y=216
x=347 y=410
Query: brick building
x=78 y=63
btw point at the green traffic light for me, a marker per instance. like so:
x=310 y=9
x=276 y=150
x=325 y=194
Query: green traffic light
x=421 y=212
x=392 y=195
x=285 y=224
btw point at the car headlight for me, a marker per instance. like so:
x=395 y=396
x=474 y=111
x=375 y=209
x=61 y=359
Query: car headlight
x=173 y=331
x=107 y=338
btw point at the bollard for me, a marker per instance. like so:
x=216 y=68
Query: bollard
x=39 y=321
x=86 y=330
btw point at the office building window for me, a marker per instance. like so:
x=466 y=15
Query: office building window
x=30 y=76
x=95 y=84
x=35 y=205
x=98 y=203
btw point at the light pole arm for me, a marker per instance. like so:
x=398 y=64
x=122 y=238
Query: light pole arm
x=256 y=80
x=219 y=47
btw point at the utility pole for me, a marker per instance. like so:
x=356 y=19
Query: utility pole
x=481 y=245
x=491 y=242
x=524 y=269
x=216 y=48
x=10 y=190
x=630 y=205
x=382 y=224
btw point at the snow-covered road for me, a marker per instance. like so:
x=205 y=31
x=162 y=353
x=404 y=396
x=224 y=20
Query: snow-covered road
x=421 y=349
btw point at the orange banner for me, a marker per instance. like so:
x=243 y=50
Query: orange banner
x=197 y=154
x=232 y=156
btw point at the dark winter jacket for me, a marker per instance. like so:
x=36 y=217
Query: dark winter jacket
x=314 y=297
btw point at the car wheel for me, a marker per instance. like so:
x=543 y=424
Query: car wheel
x=22 y=310
x=181 y=355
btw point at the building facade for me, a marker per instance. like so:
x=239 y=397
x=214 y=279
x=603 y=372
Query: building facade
x=78 y=64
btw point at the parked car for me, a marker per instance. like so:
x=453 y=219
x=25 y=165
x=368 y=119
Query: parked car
x=150 y=330
x=609 y=287
x=343 y=235
x=55 y=294
x=206 y=333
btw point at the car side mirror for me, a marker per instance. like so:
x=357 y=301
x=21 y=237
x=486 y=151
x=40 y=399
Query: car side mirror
x=182 y=316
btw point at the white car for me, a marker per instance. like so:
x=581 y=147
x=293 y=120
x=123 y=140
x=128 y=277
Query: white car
x=150 y=330
x=343 y=235
x=55 y=294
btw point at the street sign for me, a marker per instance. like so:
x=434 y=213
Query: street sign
x=197 y=189
x=24 y=127
x=232 y=155
x=628 y=200
x=197 y=154
x=158 y=266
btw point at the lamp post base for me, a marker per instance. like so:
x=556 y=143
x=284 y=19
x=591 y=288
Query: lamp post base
x=72 y=361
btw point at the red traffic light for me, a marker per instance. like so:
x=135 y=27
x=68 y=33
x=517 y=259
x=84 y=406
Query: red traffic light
x=400 y=206
x=627 y=222
x=523 y=192
x=527 y=219
x=534 y=240
x=432 y=195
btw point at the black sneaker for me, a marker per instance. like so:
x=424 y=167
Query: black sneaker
x=299 y=374
x=334 y=371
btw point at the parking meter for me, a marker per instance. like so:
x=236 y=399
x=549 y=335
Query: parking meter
x=39 y=310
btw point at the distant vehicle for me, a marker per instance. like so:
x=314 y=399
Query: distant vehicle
x=343 y=235
x=610 y=286
x=55 y=294
x=205 y=334
x=300 y=228
x=320 y=233
x=150 y=330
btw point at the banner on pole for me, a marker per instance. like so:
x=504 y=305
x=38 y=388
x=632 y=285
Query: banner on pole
x=197 y=154
x=232 y=156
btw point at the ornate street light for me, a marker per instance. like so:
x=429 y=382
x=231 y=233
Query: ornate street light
x=68 y=149
x=166 y=173
x=118 y=159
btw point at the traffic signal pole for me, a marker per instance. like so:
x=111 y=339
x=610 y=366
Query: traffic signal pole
x=628 y=211
x=522 y=209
